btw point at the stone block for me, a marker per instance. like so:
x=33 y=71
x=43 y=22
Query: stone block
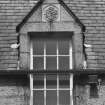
x=24 y=43
x=64 y=15
x=24 y=61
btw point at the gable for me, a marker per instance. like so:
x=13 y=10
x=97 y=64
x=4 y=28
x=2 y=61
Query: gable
x=39 y=11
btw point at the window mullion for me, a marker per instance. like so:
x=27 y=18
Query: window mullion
x=57 y=75
x=31 y=89
x=31 y=76
x=71 y=75
x=44 y=55
x=44 y=74
x=31 y=55
x=70 y=55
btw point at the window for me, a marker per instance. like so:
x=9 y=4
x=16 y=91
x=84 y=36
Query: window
x=93 y=90
x=50 y=54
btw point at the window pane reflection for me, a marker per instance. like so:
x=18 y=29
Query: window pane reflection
x=38 y=47
x=51 y=97
x=38 y=97
x=64 y=81
x=38 y=81
x=64 y=63
x=38 y=63
x=51 y=81
x=63 y=47
x=64 y=97
x=51 y=63
x=51 y=47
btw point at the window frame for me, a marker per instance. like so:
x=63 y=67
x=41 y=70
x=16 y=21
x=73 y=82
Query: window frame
x=70 y=65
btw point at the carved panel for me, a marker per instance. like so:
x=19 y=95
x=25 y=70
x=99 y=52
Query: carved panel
x=51 y=13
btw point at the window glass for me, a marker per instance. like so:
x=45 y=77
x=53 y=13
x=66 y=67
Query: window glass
x=63 y=47
x=38 y=97
x=51 y=97
x=64 y=81
x=38 y=63
x=51 y=47
x=45 y=54
x=64 y=97
x=51 y=63
x=64 y=63
x=38 y=81
x=50 y=54
x=38 y=47
x=51 y=81
x=93 y=90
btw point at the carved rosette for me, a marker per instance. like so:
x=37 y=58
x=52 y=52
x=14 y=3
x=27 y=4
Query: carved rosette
x=50 y=13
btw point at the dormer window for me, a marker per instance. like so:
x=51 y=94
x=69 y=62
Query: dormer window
x=51 y=54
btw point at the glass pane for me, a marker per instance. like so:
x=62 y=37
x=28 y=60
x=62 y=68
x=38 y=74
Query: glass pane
x=51 y=97
x=38 y=97
x=38 y=81
x=64 y=97
x=51 y=47
x=64 y=81
x=51 y=63
x=64 y=63
x=38 y=47
x=51 y=81
x=63 y=47
x=93 y=91
x=38 y=63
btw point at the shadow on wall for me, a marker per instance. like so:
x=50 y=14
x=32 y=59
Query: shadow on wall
x=14 y=90
x=89 y=94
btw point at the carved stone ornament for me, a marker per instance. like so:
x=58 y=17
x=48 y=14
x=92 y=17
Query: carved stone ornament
x=50 y=13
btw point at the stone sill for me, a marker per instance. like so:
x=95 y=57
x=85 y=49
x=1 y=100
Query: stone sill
x=74 y=71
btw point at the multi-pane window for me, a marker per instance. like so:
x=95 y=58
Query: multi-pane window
x=50 y=54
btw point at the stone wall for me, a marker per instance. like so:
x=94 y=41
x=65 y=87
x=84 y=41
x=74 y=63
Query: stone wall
x=14 y=90
x=82 y=92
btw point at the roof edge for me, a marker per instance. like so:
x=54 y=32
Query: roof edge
x=39 y=3
x=73 y=15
